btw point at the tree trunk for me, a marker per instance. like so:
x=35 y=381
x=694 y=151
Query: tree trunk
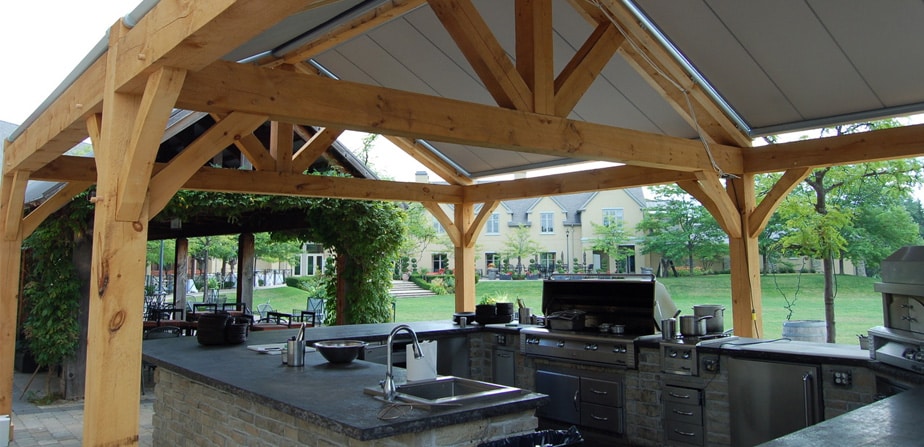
x=829 y=298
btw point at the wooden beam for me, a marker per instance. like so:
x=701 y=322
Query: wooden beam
x=534 y=52
x=61 y=126
x=177 y=172
x=747 y=307
x=431 y=161
x=291 y=97
x=14 y=196
x=256 y=152
x=315 y=146
x=280 y=149
x=193 y=35
x=585 y=67
x=617 y=177
x=761 y=215
x=878 y=145
x=471 y=234
x=162 y=89
x=452 y=231
x=710 y=193
x=357 y=27
x=484 y=53
x=10 y=266
x=60 y=198
x=464 y=258
x=669 y=78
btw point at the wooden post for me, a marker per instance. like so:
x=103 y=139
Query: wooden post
x=747 y=309
x=465 y=259
x=180 y=273
x=11 y=202
x=246 y=261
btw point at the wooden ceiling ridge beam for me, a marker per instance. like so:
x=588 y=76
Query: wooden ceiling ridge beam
x=484 y=53
x=281 y=144
x=617 y=177
x=315 y=146
x=431 y=161
x=534 y=52
x=708 y=189
x=876 y=145
x=706 y=114
x=171 y=177
x=226 y=86
x=163 y=87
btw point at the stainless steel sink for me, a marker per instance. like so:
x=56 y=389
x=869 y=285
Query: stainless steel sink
x=448 y=390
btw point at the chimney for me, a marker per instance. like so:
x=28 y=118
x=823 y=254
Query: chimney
x=421 y=177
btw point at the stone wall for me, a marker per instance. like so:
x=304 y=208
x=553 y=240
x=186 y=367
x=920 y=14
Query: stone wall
x=189 y=413
x=840 y=398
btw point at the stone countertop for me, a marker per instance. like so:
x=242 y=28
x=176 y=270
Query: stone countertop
x=893 y=422
x=790 y=350
x=320 y=393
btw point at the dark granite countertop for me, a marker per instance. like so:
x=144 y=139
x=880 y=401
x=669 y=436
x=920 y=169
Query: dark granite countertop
x=893 y=422
x=321 y=393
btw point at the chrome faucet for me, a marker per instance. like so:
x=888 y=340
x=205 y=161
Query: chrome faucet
x=388 y=385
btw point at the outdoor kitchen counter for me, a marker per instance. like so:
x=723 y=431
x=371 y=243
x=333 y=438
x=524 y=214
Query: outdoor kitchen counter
x=894 y=422
x=788 y=350
x=322 y=394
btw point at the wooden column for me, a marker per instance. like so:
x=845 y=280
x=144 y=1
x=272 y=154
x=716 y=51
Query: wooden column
x=11 y=202
x=465 y=259
x=246 y=261
x=180 y=273
x=747 y=309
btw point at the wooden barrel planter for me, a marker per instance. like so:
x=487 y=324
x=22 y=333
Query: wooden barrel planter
x=806 y=330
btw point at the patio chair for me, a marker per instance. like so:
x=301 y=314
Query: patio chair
x=316 y=305
x=263 y=309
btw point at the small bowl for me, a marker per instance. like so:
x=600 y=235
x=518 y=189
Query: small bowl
x=340 y=351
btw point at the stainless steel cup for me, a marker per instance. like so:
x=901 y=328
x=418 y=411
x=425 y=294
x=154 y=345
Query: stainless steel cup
x=295 y=350
x=668 y=328
x=525 y=314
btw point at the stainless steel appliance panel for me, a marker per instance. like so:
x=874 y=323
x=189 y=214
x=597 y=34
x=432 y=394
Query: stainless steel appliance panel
x=564 y=392
x=611 y=419
x=603 y=392
x=771 y=399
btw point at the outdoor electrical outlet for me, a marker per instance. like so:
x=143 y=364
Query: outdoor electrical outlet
x=842 y=378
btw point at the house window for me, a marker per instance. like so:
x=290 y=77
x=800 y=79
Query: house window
x=612 y=215
x=492 y=259
x=547 y=261
x=493 y=224
x=440 y=261
x=438 y=227
x=546 y=223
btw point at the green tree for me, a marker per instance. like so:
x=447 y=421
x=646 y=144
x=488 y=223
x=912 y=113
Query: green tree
x=520 y=244
x=831 y=201
x=679 y=227
x=420 y=229
x=611 y=238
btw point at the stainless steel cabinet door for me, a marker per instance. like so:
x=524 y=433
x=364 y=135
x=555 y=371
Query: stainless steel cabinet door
x=564 y=390
x=771 y=399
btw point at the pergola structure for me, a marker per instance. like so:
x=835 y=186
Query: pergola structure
x=673 y=92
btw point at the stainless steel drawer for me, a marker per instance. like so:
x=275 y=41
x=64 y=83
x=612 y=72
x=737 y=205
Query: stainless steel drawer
x=681 y=395
x=686 y=413
x=601 y=392
x=603 y=417
x=688 y=433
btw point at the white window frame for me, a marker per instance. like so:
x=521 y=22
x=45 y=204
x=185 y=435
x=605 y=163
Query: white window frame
x=617 y=214
x=492 y=226
x=546 y=229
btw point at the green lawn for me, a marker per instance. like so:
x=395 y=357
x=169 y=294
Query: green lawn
x=858 y=307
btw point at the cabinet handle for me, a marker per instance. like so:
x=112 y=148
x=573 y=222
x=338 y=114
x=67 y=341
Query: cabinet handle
x=808 y=397
x=679 y=396
x=575 y=399
x=683 y=413
x=598 y=392
x=684 y=433
x=598 y=418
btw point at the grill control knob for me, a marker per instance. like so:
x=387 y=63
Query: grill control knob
x=672 y=354
x=909 y=354
x=590 y=347
x=686 y=354
x=919 y=356
x=561 y=344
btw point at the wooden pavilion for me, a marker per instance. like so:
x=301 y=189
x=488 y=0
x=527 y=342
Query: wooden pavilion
x=675 y=93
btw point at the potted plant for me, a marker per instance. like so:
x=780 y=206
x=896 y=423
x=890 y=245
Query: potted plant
x=486 y=307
